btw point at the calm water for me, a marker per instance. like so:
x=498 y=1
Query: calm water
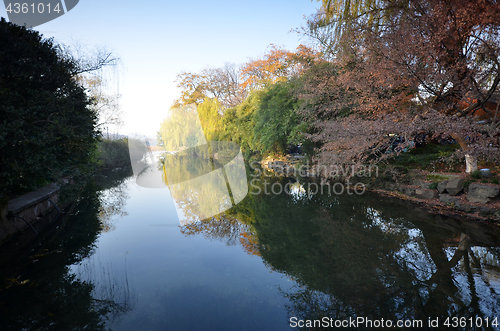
x=122 y=261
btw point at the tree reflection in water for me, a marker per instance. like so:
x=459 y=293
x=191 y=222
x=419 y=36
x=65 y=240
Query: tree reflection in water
x=43 y=294
x=367 y=256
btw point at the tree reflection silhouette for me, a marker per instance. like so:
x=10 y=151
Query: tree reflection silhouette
x=366 y=256
x=46 y=295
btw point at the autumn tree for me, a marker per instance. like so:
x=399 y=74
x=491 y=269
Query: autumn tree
x=105 y=105
x=276 y=65
x=221 y=83
x=422 y=57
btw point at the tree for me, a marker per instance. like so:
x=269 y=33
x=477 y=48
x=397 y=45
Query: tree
x=86 y=62
x=277 y=65
x=47 y=129
x=222 y=84
x=423 y=57
x=105 y=105
x=90 y=72
x=277 y=122
x=181 y=129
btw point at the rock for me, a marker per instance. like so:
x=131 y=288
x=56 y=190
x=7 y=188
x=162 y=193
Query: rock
x=442 y=186
x=391 y=186
x=420 y=183
x=497 y=214
x=426 y=194
x=447 y=199
x=464 y=207
x=485 y=173
x=455 y=185
x=409 y=191
x=481 y=193
x=485 y=211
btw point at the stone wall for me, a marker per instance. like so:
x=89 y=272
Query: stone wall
x=25 y=209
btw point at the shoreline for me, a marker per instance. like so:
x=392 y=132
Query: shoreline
x=455 y=195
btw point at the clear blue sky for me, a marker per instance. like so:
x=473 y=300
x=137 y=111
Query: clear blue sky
x=158 y=39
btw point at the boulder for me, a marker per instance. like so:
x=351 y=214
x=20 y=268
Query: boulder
x=391 y=186
x=409 y=191
x=455 y=185
x=481 y=193
x=485 y=211
x=464 y=207
x=448 y=199
x=420 y=183
x=442 y=186
x=425 y=194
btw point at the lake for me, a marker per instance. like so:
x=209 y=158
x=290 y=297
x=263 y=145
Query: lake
x=121 y=259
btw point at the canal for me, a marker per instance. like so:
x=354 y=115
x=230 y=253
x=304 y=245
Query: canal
x=121 y=259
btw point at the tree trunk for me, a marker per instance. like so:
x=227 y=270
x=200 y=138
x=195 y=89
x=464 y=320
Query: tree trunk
x=470 y=160
x=470 y=163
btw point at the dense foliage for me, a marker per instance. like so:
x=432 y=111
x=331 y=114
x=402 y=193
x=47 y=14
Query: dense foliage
x=420 y=68
x=417 y=71
x=47 y=129
x=256 y=105
x=113 y=153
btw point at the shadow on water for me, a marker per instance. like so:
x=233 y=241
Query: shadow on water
x=40 y=291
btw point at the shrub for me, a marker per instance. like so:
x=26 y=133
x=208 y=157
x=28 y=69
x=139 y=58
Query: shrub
x=113 y=153
x=476 y=174
x=433 y=186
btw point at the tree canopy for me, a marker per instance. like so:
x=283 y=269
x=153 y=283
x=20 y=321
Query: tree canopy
x=47 y=129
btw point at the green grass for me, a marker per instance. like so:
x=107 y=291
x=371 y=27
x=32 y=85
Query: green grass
x=424 y=157
x=437 y=178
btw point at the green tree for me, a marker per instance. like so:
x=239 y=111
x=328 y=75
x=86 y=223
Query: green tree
x=276 y=119
x=239 y=123
x=211 y=119
x=47 y=129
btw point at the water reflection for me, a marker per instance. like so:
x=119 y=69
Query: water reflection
x=368 y=256
x=41 y=292
x=332 y=256
x=204 y=178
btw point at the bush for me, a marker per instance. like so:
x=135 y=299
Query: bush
x=113 y=153
x=476 y=174
x=433 y=186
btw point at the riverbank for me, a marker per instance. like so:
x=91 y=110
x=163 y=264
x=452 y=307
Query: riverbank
x=449 y=194
x=23 y=218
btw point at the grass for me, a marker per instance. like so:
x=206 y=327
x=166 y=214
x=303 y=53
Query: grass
x=425 y=157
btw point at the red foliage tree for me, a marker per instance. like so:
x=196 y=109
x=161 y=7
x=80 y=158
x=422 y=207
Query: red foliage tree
x=433 y=58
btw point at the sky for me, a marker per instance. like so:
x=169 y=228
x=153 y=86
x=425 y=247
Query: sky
x=156 y=40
